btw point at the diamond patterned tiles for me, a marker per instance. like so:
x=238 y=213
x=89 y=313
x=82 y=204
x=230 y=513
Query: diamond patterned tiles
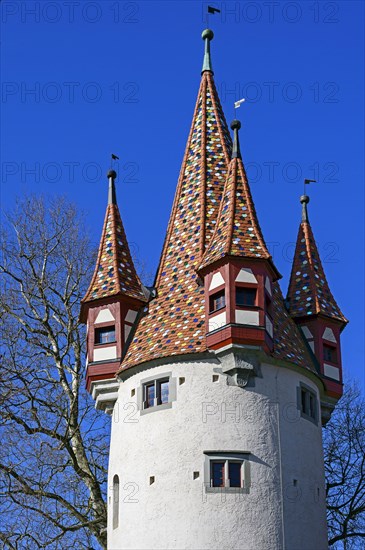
x=114 y=272
x=238 y=232
x=308 y=292
x=288 y=341
x=175 y=323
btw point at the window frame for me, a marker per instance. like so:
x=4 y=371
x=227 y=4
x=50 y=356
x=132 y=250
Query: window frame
x=220 y=294
x=226 y=458
x=156 y=381
x=333 y=354
x=246 y=287
x=100 y=330
x=307 y=403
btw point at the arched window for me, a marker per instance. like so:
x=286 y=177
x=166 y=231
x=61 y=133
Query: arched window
x=115 y=501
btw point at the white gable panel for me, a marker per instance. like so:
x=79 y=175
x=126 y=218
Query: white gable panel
x=131 y=316
x=246 y=276
x=332 y=372
x=104 y=316
x=217 y=321
x=307 y=333
x=268 y=285
x=217 y=280
x=328 y=335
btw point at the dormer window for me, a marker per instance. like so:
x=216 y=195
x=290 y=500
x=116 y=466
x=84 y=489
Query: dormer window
x=217 y=301
x=245 y=296
x=329 y=353
x=105 y=335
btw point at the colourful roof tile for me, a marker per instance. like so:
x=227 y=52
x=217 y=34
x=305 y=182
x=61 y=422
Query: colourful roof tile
x=309 y=292
x=288 y=341
x=114 y=271
x=238 y=232
x=175 y=323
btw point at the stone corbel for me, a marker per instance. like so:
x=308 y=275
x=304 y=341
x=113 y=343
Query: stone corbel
x=239 y=367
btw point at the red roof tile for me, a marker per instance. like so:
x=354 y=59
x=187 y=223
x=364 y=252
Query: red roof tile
x=288 y=341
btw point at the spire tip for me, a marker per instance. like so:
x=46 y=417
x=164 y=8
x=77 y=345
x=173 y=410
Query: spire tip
x=112 y=174
x=208 y=33
x=236 y=151
x=304 y=199
x=235 y=124
x=112 y=197
x=207 y=36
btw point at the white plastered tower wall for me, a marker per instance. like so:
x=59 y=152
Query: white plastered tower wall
x=283 y=504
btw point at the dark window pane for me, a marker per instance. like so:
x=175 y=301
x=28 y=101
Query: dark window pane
x=150 y=395
x=245 y=296
x=304 y=404
x=234 y=474
x=164 y=391
x=217 y=474
x=105 y=335
x=312 y=412
x=329 y=354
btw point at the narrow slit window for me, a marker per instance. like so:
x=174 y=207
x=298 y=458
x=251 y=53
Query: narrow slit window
x=115 y=501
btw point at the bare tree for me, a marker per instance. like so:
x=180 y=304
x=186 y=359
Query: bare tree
x=344 y=451
x=54 y=444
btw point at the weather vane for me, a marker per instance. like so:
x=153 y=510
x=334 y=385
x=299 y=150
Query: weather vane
x=307 y=182
x=113 y=157
x=237 y=104
x=211 y=11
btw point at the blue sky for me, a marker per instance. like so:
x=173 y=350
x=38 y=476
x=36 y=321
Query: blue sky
x=122 y=77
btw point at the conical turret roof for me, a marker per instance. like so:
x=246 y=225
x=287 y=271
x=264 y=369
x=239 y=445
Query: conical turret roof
x=238 y=231
x=114 y=273
x=309 y=292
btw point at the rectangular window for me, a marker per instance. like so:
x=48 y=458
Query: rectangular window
x=308 y=404
x=227 y=472
x=156 y=393
x=245 y=296
x=217 y=301
x=219 y=470
x=329 y=353
x=105 y=335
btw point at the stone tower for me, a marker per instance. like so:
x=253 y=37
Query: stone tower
x=217 y=386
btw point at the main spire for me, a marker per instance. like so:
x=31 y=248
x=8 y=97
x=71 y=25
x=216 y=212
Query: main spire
x=309 y=292
x=114 y=273
x=175 y=322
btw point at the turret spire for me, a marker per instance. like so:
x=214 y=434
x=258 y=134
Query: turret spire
x=112 y=196
x=309 y=292
x=114 y=273
x=207 y=36
x=236 y=151
x=237 y=232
